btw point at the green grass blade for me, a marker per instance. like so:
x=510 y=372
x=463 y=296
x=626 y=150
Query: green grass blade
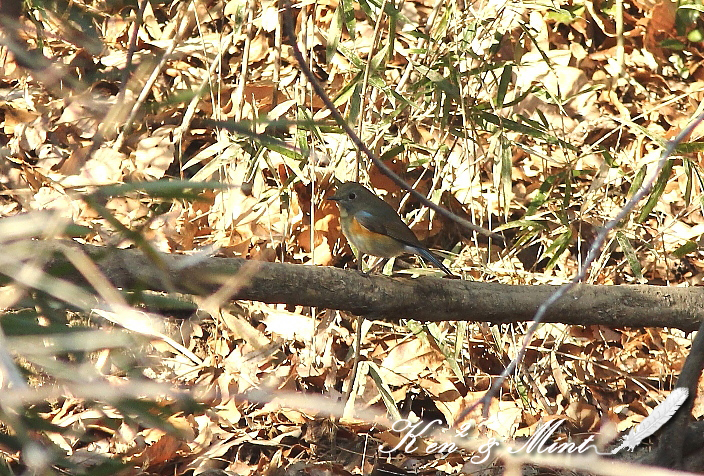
x=658 y=190
x=505 y=80
x=334 y=33
x=630 y=253
x=384 y=391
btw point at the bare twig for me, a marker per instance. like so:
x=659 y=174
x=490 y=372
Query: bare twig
x=131 y=49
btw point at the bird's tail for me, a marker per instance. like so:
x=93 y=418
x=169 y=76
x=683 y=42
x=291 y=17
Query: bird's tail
x=433 y=259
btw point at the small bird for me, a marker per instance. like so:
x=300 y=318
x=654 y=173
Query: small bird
x=374 y=227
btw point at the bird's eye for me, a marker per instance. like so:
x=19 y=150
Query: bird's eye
x=352 y=196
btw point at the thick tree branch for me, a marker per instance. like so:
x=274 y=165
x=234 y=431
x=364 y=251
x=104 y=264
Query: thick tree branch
x=381 y=297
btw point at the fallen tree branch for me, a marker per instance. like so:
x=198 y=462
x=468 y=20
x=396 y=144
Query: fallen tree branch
x=391 y=299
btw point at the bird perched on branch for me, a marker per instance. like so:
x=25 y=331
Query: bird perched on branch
x=374 y=227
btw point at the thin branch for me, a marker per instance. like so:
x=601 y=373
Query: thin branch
x=290 y=34
x=540 y=314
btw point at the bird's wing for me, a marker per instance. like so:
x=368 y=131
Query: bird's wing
x=371 y=223
x=390 y=225
x=393 y=226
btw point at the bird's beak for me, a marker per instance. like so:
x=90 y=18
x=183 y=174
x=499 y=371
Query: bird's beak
x=336 y=182
x=335 y=197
